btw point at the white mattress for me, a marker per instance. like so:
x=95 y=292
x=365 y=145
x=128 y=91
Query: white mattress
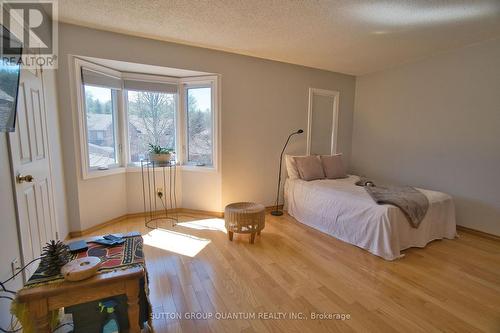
x=347 y=212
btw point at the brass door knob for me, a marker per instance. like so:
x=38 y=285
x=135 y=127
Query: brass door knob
x=21 y=179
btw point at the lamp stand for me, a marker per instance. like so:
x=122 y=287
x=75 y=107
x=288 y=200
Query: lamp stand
x=277 y=211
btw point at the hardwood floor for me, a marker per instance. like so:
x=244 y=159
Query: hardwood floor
x=450 y=286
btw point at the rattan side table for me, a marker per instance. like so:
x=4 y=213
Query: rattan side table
x=244 y=218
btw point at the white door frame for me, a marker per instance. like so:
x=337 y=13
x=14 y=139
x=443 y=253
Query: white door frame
x=328 y=93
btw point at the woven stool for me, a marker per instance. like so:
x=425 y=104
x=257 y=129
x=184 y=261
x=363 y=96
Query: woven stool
x=244 y=218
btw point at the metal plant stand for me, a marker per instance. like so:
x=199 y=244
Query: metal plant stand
x=158 y=190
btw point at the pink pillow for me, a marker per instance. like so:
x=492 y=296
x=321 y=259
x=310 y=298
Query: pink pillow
x=333 y=166
x=309 y=167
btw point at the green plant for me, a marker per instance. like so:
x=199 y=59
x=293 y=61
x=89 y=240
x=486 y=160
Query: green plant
x=157 y=149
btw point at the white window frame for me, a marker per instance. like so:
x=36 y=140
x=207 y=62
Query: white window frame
x=88 y=172
x=200 y=82
x=121 y=121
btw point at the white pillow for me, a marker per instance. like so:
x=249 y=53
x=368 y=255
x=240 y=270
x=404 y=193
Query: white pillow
x=291 y=167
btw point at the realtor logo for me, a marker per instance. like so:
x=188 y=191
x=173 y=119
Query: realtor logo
x=32 y=27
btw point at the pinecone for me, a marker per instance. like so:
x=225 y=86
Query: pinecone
x=54 y=256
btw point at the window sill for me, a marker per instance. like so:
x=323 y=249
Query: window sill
x=191 y=168
x=198 y=168
x=90 y=174
x=134 y=169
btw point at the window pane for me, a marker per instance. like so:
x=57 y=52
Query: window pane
x=100 y=126
x=199 y=126
x=151 y=119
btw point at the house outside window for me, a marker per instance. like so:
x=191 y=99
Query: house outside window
x=101 y=127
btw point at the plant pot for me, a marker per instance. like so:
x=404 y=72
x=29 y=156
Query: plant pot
x=159 y=158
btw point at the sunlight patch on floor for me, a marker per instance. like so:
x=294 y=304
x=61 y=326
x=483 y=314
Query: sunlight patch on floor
x=176 y=242
x=206 y=224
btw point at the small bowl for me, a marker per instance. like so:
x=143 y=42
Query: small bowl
x=81 y=269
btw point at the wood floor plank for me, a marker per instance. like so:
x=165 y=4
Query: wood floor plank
x=293 y=270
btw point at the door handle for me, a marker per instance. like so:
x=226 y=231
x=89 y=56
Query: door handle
x=21 y=179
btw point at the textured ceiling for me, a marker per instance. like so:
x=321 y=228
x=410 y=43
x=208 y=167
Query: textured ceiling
x=348 y=36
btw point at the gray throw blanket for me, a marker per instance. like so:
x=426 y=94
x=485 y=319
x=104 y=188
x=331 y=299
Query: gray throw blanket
x=413 y=203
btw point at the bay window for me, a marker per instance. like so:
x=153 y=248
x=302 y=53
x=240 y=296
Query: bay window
x=121 y=114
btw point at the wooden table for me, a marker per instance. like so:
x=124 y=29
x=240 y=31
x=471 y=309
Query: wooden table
x=40 y=300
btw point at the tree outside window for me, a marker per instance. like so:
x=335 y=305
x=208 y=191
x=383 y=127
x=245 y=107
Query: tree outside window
x=151 y=119
x=199 y=126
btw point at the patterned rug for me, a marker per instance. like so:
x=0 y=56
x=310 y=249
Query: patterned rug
x=126 y=255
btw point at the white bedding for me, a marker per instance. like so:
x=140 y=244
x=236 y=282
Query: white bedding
x=347 y=212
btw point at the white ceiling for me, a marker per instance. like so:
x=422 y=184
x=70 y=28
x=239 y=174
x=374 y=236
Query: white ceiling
x=348 y=36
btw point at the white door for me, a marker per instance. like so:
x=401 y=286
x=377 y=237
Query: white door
x=31 y=168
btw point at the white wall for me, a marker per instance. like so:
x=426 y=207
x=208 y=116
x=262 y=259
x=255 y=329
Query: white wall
x=436 y=124
x=102 y=199
x=135 y=197
x=195 y=185
x=262 y=102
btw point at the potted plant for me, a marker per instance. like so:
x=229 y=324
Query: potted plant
x=159 y=154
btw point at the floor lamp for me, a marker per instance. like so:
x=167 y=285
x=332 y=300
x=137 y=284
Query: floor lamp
x=277 y=211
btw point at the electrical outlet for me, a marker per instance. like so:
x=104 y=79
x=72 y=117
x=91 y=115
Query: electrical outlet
x=159 y=191
x=14 y=265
